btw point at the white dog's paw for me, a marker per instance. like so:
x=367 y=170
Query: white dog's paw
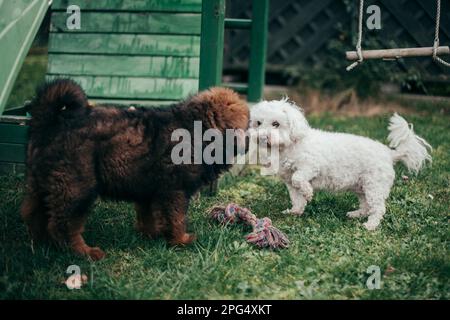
x=287 y=164
x=371 y=225
x=268 y=171
x=357 y=214
x=304 y=188
x=308 y=193
x=296 y=183
x=293 y=211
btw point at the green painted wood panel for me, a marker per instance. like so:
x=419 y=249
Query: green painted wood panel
x=136 y=87
x=7 y=167
x=13 y=133
x=19 y=22
x=133 y=44
x=125 y=103
x=211 y=54
x=12 y=152
x=159 y=67
x=124 y=53
x=143 y=23
x=11 y=167
x=258 y=50
x=132 y=5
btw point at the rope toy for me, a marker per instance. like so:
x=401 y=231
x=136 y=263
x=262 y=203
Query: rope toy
x=264 y=234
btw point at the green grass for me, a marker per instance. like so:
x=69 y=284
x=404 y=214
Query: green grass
x=327 y=259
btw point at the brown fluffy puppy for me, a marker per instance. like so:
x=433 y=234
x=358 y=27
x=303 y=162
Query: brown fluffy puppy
x=77 y=152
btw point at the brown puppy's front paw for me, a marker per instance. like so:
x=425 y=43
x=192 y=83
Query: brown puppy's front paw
x=184 y=239
x=82 y=249
x=294 y=211
x=95 y=253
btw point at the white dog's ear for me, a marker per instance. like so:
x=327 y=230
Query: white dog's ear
x=297 y=123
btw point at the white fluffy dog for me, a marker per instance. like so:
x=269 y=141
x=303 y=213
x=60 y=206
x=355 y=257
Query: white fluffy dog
x=315 y=159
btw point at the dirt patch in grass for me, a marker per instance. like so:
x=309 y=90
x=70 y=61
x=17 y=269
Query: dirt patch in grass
x=347 y=103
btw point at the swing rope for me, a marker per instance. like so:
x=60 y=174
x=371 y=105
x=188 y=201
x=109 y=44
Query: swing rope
x=360 y=34
x=359 y=42
x=436 y=36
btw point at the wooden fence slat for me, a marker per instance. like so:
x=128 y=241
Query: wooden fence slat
x=311 y=46
x=430 y=10
x=161 y=67
x=414 y=29
x=13 y=133
x=125 y=103
x=12 y=152
x=132 y=88
x=302 y=19
x=162 y=45
x=134 y=5
x=303 y=33
x=6 y=168
x=143 y=23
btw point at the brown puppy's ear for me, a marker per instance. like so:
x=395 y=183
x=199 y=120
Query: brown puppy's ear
x=224 y=108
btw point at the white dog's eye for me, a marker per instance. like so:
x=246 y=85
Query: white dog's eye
x=258 y=123
x=276 y=124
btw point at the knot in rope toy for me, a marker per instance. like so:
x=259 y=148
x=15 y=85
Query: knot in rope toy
x=264 y=234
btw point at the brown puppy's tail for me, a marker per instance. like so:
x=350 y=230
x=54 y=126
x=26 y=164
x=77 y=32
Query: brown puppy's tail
x=56 y=100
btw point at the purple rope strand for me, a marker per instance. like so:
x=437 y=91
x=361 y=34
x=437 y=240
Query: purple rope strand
x=264 y=234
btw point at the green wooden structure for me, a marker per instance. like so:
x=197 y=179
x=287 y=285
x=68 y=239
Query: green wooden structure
x=130 y=52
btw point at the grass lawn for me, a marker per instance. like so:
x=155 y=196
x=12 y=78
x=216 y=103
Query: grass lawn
x=327 y=259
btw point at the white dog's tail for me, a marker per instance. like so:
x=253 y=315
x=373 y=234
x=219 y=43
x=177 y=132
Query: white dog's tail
x=409 y=148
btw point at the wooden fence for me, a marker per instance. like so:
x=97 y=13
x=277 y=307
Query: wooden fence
x=300 y=31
